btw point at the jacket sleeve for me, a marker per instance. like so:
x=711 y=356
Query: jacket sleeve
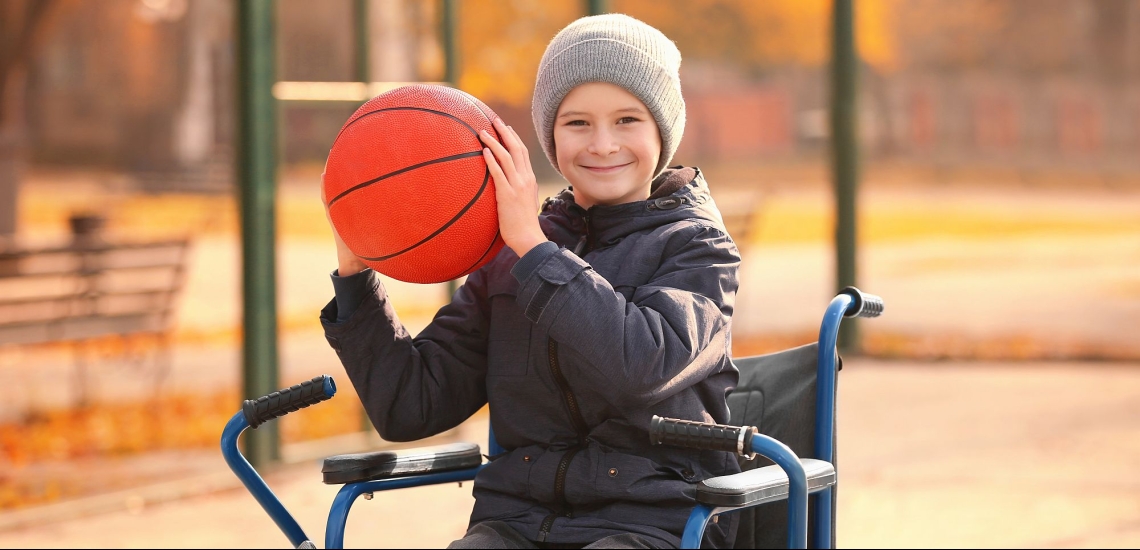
x=414 y=388
x=672 y=334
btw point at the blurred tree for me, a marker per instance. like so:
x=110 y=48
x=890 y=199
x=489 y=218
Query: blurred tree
x=502 y=42
x=770 y=34
x=24 y=24
x=750 y=35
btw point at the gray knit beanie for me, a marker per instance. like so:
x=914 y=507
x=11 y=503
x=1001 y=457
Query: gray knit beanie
x=621 y=50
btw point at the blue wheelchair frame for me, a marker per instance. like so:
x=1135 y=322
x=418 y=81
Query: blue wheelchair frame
x=844 y=304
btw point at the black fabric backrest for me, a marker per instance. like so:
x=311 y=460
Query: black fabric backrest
x=776 y=394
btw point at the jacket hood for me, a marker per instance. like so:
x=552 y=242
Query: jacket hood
x=564 y=221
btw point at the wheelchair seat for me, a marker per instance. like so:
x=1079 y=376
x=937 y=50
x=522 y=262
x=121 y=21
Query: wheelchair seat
x=352 y=468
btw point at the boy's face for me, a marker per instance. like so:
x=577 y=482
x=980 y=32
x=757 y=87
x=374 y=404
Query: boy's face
x=607 y=144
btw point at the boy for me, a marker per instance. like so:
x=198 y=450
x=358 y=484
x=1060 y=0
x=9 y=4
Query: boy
x=612 y=305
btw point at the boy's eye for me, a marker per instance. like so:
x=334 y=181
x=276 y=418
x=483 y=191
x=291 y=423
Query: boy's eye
x=627 y=119
x=576 y=123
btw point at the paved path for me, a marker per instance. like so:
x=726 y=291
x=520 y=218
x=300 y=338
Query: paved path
x=932 y=455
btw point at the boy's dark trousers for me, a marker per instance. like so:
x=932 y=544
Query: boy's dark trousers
x=496 y=534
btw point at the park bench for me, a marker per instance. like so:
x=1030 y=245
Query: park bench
x=91 y=289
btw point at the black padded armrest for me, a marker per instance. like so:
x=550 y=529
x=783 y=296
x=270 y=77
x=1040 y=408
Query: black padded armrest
x=762 y=485
x=352 y=468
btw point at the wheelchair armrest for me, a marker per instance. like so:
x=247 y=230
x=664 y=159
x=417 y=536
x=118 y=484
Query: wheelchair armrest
x=352 y=468
x=761 y=485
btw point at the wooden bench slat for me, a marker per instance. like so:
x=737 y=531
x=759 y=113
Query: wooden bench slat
x=146 y=300
x=82 y=328
x=21 y=263
x=68 y=249
x=61 y=270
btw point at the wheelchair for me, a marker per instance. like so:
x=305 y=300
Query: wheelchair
x=784 y=434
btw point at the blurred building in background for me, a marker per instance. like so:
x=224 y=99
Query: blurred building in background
x=140 y=86
x=146 y=86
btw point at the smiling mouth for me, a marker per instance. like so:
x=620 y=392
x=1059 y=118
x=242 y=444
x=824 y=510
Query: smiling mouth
x=606 y=168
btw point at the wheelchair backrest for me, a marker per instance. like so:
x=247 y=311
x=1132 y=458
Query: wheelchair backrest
x=777 y=394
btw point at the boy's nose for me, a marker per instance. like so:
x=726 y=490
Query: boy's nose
x=603 y=143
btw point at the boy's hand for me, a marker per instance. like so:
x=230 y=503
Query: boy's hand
x=347 y=262
x=515 y=189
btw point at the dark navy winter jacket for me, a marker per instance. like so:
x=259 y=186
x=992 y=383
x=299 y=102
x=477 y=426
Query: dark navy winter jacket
x=624 y=314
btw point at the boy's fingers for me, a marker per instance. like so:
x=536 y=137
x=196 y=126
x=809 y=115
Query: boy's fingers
x=522 y=156
x=524 y=153
x=504 y=131
x=506 y=163
x=514 y=137
x=514 y=144
x=495 y=170
x=496 y=147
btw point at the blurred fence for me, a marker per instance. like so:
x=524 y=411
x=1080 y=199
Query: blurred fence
x=945 y=119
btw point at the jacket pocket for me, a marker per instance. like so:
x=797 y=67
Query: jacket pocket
x=508 y=342
x=509 y=473
x=634 y=488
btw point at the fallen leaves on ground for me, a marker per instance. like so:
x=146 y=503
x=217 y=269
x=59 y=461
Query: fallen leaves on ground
x=109 y=430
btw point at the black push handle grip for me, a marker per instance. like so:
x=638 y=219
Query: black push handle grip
x=279 y=403
x=697 y=435
x=865 y=305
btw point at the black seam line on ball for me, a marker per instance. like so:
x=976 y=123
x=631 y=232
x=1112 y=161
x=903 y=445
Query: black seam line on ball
x=420 y=109
x=485 y=252
x=402 y=170
x=486 y=178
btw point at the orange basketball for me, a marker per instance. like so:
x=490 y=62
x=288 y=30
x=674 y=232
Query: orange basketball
x=408 y=189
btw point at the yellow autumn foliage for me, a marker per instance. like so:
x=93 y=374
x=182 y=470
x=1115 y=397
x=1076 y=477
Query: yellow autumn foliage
x=501 y=42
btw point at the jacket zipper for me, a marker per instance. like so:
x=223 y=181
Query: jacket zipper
x=575 y=413
x=579 y=426
x=560 y=492
x=583 y=245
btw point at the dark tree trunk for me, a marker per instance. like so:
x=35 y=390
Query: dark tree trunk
x=10 y=171
x=23 y=26
x=12 y=149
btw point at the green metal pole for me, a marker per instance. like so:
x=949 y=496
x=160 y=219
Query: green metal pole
x=449 y=33
x=257 y=180
x=597 y=7
x=363 y=59
x=845 y=155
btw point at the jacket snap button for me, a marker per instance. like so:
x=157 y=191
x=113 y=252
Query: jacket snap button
x=526 y=458
x=613 y=472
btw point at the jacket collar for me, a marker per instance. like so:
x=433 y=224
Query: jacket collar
x=565 y=222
